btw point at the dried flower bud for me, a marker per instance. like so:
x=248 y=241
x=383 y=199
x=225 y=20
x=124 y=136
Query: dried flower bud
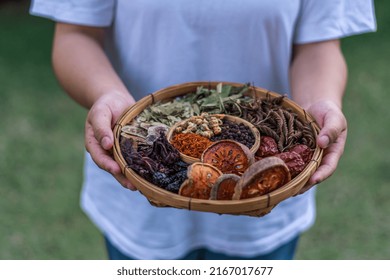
x=217 y=130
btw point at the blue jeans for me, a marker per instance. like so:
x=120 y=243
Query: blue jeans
x=284 y=252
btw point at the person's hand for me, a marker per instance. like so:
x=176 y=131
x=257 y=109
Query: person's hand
x=99 y=138
x=331 y=138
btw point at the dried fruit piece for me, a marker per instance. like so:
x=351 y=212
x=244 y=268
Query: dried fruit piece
x=268 y=147
x=293 y=161
x=201 y=178
x=304 y=151
x=262 y=177
x=228 y=156
x=224 y=187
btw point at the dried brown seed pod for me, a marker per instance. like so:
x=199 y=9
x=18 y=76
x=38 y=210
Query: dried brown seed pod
x=228 y=156
x=262 y=177
x=224 y=187
x=201 y=178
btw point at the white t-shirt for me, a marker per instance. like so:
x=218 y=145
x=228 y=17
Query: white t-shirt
x=153 y=44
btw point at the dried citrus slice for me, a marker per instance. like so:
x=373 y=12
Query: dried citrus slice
x=262 y=177
x=224 y=187
x=228 y=156
x=201 y=178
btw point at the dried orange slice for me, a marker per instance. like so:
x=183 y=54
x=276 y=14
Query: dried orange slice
x=262 y=177
x=228 y=156
x=224 y=187
x=201 y=178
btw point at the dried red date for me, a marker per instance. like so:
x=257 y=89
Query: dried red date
x=268 y=147
x=293 y=161
x=304 y=151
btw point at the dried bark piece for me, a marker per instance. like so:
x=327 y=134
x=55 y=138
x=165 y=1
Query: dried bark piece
x=224 y=187
x=262 y=177
x=228 y=156
x=201 y=178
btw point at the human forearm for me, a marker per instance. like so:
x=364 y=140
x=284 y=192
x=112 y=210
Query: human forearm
x=318 y=72
x=86 y=74
x=82 y=67
x=318 y=79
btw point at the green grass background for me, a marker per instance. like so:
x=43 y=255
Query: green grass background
x=41 y=154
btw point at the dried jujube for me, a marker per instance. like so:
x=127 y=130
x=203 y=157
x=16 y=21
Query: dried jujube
x=262 y=177
x=304 y=151
x=224 y=187
x=228 y=156
x=201 y=178
x=293 y=161
x=268 y=147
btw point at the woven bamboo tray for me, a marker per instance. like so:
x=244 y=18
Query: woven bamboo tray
x=257 y=206
x=255 y=131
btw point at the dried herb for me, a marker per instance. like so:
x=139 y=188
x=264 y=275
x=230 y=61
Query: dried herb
x=272 y=119
x=171 y=183
x=160 y=164
x=162 y=151
x=148 y=152
x=143 y=165
x=190 y=144
x=235 y=131
x=215 y=101
x=205 y=125
x=167 y=113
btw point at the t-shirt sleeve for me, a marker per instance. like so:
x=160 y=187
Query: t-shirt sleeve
x=97 y=13
x=333 y=19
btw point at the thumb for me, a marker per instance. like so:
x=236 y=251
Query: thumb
x=333 y=125
x=100 y=119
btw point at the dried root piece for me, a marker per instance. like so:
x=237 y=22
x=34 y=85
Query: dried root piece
x=262 y=177
x=228 y=156
x=201 y=178
x=224 y=187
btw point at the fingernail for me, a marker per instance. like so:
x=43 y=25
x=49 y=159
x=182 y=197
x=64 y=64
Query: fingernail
x=324 y=141
x=105 y=142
